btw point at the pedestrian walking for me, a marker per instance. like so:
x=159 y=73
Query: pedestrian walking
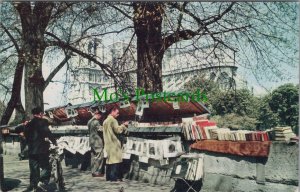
x=112 y=145
x=97 y=145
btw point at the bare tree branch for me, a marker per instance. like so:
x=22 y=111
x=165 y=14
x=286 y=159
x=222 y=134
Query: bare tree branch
x=106 y=68
x=6 y=48
x=7 y=88
x=121 y=11
x=189 y=34
x=11 y=37
x=101 y=34
x=53 y=73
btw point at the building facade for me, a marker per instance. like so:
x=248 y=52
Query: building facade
x=178 y=69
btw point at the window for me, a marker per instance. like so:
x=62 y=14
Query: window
x=224 y=80
x=212 y=76
x=90 y=77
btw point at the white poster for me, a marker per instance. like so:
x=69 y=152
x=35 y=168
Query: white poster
x=139 y=109
x=171 y=148
x=176 y=105
x=124 y=104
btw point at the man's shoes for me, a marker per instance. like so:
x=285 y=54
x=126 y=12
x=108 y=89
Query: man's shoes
x=97 y=175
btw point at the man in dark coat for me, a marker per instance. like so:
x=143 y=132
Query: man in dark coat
x=97 y=146
x=37 y=134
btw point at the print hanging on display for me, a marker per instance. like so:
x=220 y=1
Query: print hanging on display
x=70 y=148
x=139 y=150
x=50 y=114
x=71 y=112
x=124 y=104
x=91 y=110
x=176 y=105
x=133 y=149
x=77 y=143
x=139 y=109
x=102 y=108
x=129 y=147
x=171 y=148
x=164 y=162
x=136 y=146
x=154 y=149
x=84 y=146
x=143 y=159
x=145 y=148
x=144 y=103
x=126 y=155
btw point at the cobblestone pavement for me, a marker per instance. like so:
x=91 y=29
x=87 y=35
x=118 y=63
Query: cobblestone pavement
x=16 y=174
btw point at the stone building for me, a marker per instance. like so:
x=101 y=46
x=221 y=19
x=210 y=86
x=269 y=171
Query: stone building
x=86 y=75
x=178 y=68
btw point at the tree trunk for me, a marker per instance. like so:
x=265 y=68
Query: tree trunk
x=34 y=81
x=34 y=22
x=150 y=51
x=15 y=99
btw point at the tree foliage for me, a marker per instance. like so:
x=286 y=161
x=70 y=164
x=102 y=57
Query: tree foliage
x=284 y=101
x=266 y=117
x=221 y=101
x=234 y=121
x=240 y=102
x=240 y=109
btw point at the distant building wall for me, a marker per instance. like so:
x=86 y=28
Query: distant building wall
x=177 y=69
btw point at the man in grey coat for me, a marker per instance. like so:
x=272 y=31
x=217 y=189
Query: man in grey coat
x=97 y=145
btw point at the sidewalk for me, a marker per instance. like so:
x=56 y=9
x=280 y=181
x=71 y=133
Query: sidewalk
x=16 y=174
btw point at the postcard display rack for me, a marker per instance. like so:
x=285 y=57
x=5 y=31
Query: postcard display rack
x=143 y=136
x=163 y=140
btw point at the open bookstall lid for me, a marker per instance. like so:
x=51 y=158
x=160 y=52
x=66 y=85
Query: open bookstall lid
x=158 y=111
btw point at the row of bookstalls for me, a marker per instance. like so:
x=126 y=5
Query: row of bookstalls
x=155 y=130
x=162 y=134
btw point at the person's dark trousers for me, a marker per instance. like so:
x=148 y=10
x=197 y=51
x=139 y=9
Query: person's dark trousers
x=120 y=170
x=103 y=167
x=113 y=172
x=36 y=162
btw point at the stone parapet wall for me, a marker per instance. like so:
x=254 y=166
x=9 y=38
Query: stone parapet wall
x=223 y=172
x=279 y=170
